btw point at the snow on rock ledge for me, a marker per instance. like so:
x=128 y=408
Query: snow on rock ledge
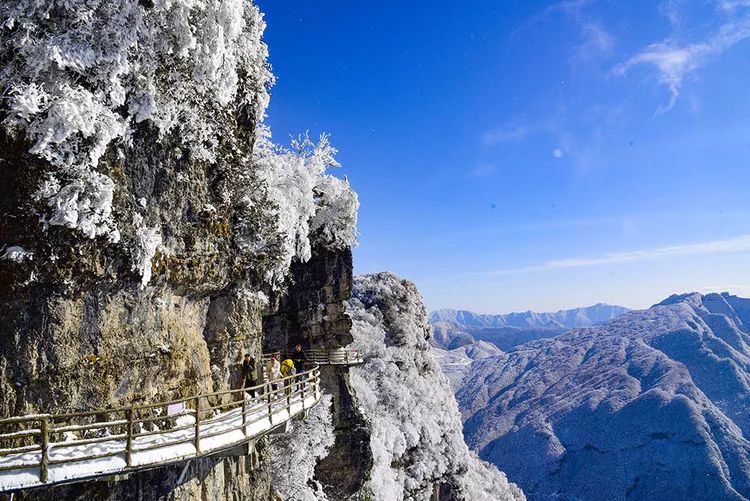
x=416 y=436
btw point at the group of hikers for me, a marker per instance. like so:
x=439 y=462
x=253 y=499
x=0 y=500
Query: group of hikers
x=275 y=371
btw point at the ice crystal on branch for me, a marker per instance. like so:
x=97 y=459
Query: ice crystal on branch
x=81 y=76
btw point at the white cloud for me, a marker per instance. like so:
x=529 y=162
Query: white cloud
x=596 y=41
x=733 y=245
x=674 y=61
x=557 y=153
x=672 y=9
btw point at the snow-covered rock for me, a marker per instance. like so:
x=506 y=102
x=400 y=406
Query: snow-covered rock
x=296 y=453
x=651 y=405
x=17 y=254
x=415 y=426
x=104 y=97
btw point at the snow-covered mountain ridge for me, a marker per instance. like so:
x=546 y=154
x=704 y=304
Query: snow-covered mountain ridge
x=457 y=328
x=576 y=317
x=650 y=405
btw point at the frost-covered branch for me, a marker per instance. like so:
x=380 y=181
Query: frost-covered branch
x=78 y=75
x=311 y=205
x=295 y=454
x=86 y=82
x=416 y=430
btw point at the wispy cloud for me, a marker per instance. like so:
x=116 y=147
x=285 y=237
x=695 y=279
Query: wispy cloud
x=595 y=39
x=674 y=61
x=565 y=7
x=733 y=245
x=672 y=9
x=730 y=5
x=506 y=134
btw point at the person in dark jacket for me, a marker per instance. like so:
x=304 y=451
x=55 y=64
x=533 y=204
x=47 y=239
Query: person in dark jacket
x=300 y=359
x=249 y=374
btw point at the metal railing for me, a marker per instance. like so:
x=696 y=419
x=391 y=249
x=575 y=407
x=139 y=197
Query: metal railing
x=323 y=356
x=46 y=449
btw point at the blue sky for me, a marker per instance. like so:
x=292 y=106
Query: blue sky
x=531 y=155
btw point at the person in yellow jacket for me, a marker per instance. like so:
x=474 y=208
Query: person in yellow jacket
x=287 y=372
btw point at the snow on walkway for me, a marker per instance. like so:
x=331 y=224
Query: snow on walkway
x=225 y=428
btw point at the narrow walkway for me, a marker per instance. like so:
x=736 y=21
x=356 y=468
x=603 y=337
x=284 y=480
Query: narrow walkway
x=324 y=356
x=54 y=449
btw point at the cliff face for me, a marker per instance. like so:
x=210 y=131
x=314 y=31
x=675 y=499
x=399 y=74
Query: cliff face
x=312 y=309
x=133 y=270
x=314 y=312
x=392 y=429
x=146 y=216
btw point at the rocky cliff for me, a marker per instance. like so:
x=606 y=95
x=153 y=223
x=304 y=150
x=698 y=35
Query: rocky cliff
x=392 y=430
x=313 y=312
x=147 y=217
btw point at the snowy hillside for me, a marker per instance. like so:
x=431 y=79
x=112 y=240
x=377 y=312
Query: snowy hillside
x=456 y=363
x=651 y=405
x=449 y=336
x=416 y=438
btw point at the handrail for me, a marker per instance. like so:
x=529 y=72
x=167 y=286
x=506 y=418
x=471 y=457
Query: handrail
x=122 y=445
x=324 y=356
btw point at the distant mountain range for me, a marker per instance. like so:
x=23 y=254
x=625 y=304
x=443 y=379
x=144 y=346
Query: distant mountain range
x=652 y=405
x=576 y=317
x=457 y=328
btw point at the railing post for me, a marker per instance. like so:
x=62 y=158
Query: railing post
x=288 y=391
x=270 y=405
x=129 y=443
x=197 y=425
x=346 y=356
x=44 y=463
x=302 y=388
x=244 y=414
